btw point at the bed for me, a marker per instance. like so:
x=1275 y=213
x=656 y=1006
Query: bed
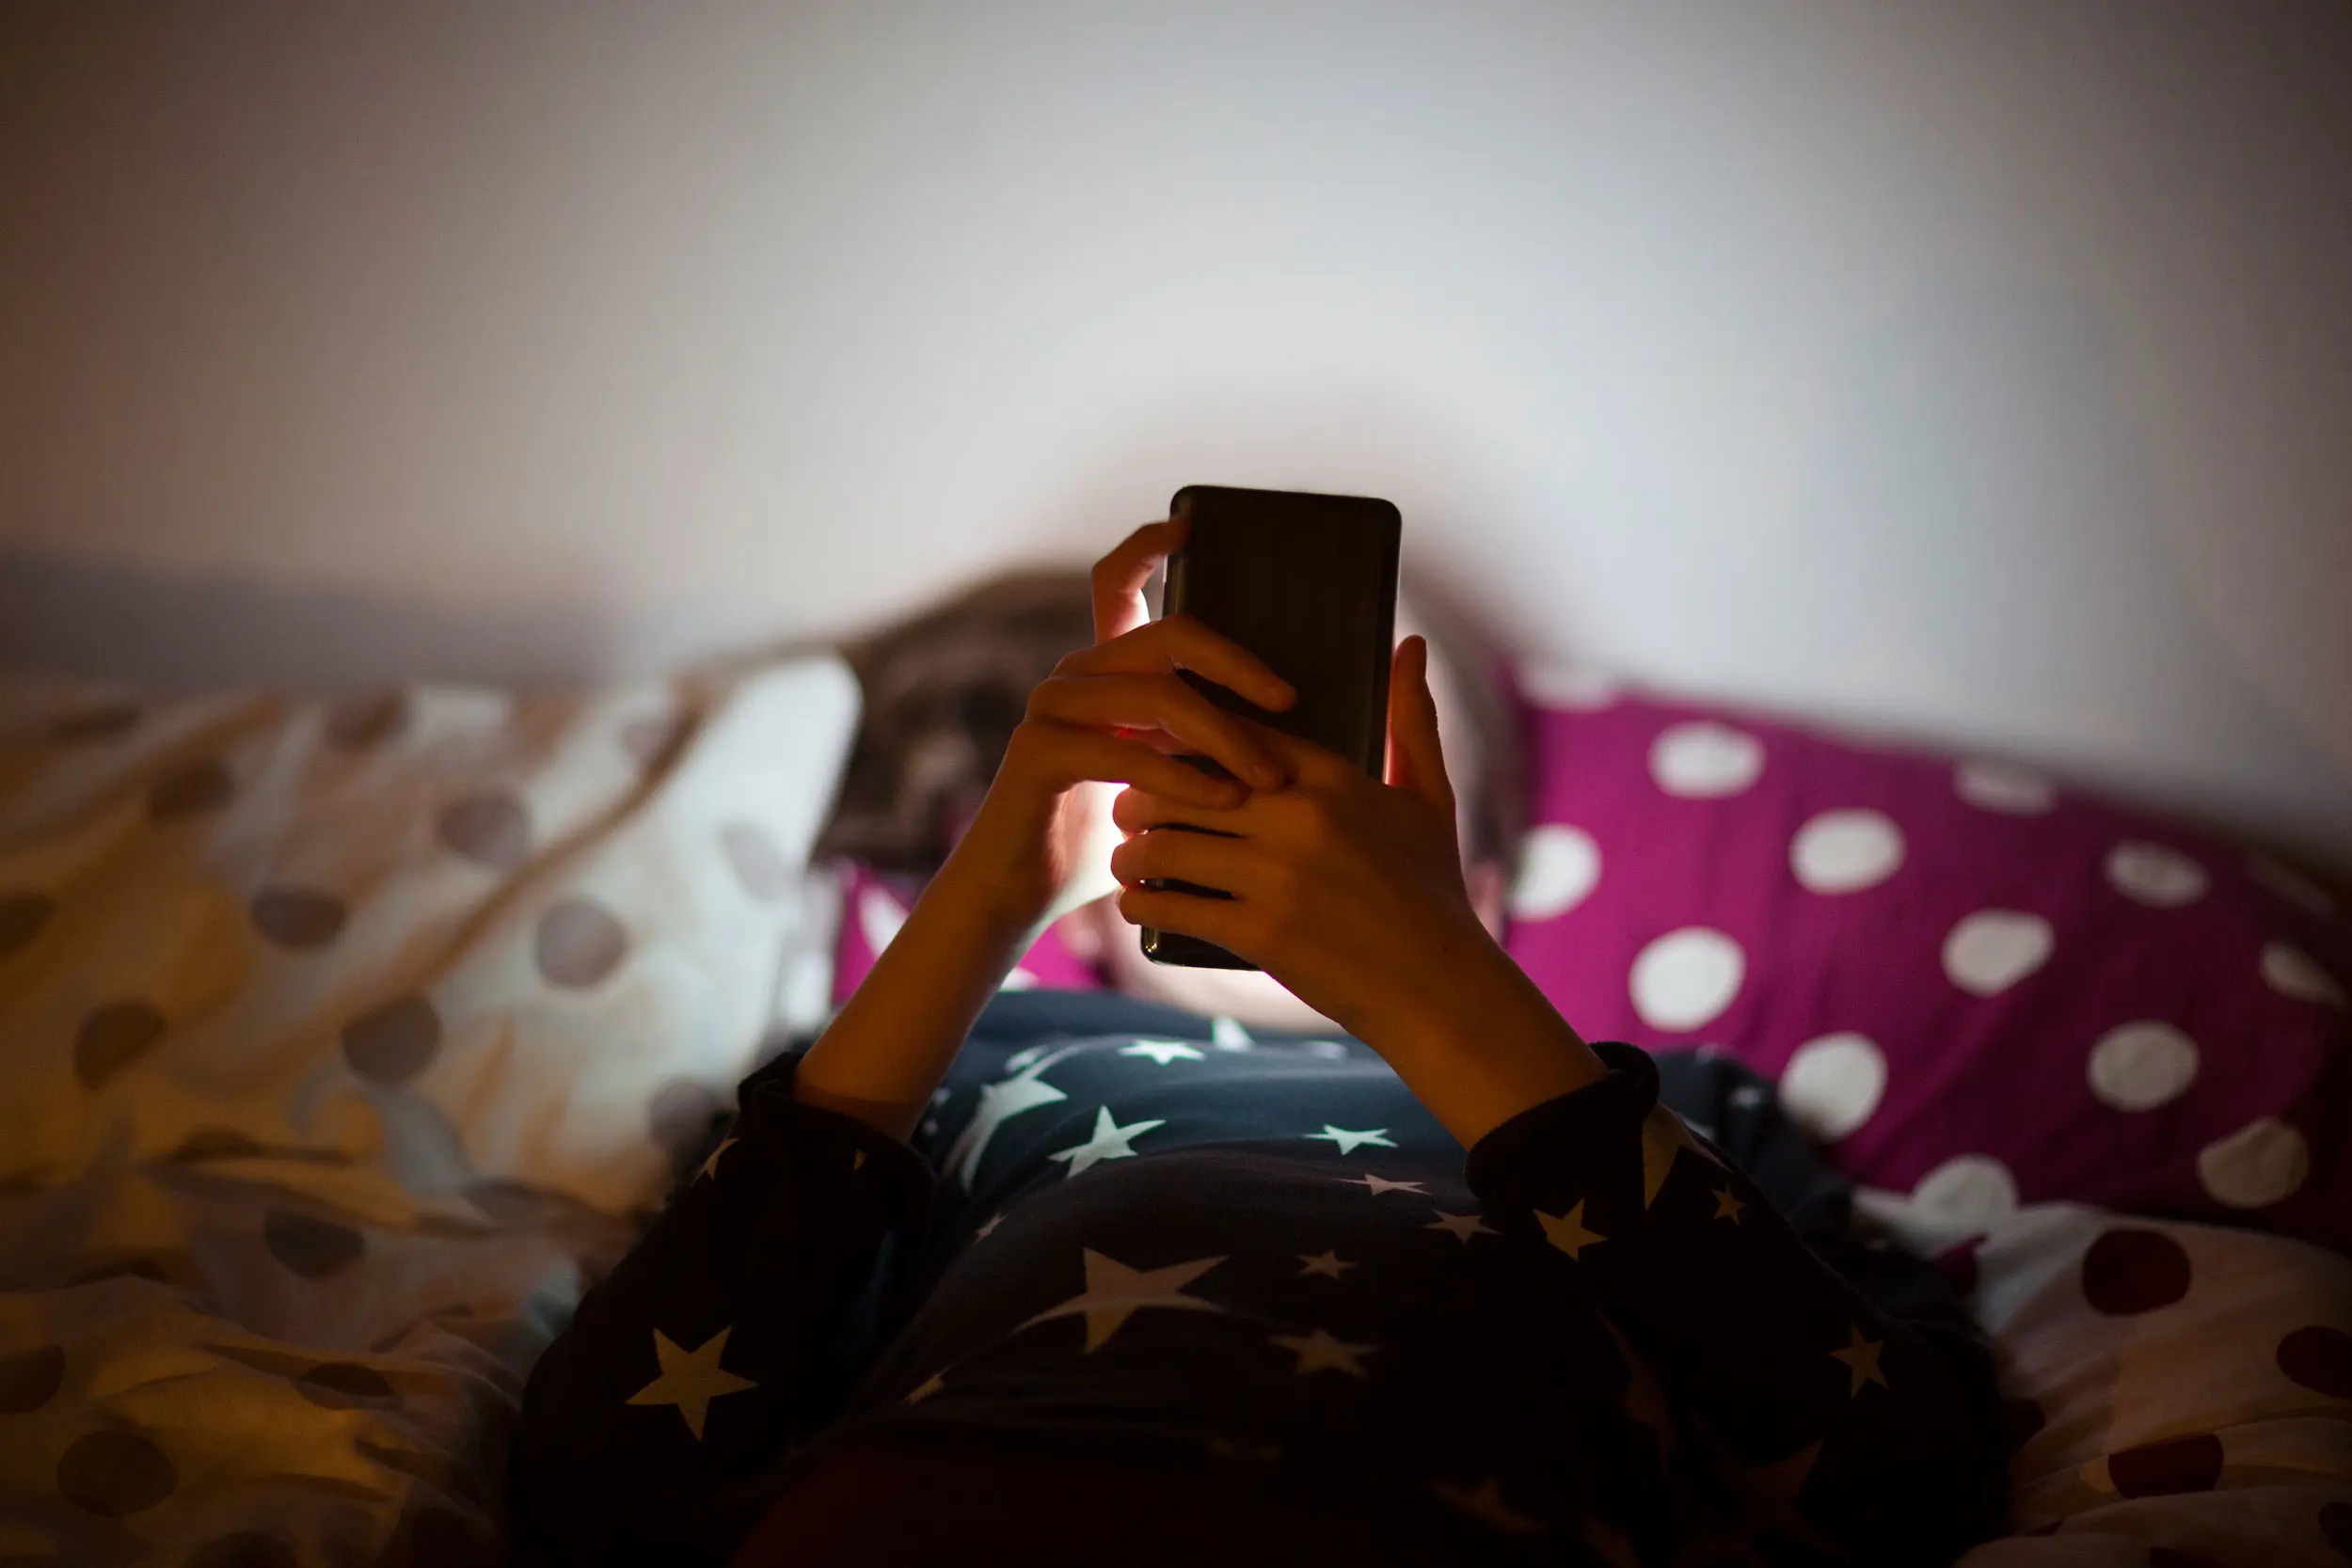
x=347 y=1040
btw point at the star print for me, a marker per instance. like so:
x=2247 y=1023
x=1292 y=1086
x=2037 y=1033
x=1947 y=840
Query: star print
x=857 y=1159
x=1748 y=1096
x=1115 y=1292
x=1110 y=1142
x=994 y=1220
x=1163 y=1051
x=1768 y=1499
x=1861 y=1357
x=1663 y=1139
x=1377 y=1137
x=1484 y=1501
x=1226 y=1034
x=1320 y=1352
x=690 y=1379
x=1728 y=1205
x=1567 y=1232
x=1377 y=1185
x=711 y=1166
x=1463 y=1226
x=1326 y=1264
x=928 y=1386
x=1000 y=1101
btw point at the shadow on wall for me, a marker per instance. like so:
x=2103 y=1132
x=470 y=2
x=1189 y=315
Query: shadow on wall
x=187 y=631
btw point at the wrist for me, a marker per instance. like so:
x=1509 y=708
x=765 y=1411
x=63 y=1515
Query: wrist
x=1485 y=1046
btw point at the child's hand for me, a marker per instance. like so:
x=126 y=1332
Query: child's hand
x=1115 y=712
x=1347 y=890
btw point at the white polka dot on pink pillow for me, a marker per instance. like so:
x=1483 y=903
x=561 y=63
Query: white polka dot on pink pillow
x=1972 y=984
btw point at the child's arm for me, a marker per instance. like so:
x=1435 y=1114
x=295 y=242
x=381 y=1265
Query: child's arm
x=1112 y=712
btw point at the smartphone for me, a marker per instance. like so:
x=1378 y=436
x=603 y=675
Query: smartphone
x=1307 y=583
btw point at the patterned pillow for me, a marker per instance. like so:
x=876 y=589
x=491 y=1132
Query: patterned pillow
x=1977 y=988
x=2180 y=1394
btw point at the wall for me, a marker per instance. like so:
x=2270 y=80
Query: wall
x=1980 y=371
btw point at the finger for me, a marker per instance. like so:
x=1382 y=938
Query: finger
x=1074 y=754
x=1137 y=810
x=1185 y=913
x=1167 y=705
x=1181 y=643
x=1119 y=576
x=1416 y=756
x=1204 y=860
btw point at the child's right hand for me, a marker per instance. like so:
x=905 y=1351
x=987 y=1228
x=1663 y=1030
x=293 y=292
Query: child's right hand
x=1117 y=712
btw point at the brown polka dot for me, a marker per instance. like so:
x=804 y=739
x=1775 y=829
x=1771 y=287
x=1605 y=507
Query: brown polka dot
x=394 y=1043
x=2160 y=1469
x=247 y=1548
x=2170 y=1557
x=489 y=828
x=112 y=1037
x=315 y=1249
x=2319 y=1358
x=298 y=917
x=30 y=1379
x=2021 y=1419
x=191 y=790
x=2335 y=1523
x=2129 y=1271
x=758 y=865
x=215 y=1143
x=103 y=722
x=22 y=917
x=655 y=739
x=346 y=1386
x=357 y=723
x=579 y=943
x=681 y=1114
x=115 y=1473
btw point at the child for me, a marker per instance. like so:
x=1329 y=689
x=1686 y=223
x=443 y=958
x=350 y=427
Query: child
x=1047 y=1277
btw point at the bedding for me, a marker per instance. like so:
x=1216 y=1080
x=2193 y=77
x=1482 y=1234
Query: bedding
x=344 y=1042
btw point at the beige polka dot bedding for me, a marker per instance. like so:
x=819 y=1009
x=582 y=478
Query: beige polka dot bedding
x=340 y=1042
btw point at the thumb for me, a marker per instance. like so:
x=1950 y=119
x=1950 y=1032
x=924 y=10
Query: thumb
x=1416 y=759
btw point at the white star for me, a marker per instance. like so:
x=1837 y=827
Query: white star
x=1378 y=1185
x=1226 y=1034
x=1567 y=1232
x=1114 y=1291
x=1320 y=1352
x=999 y=1102
x=1377 y=1137
x=711 y=1166
x=1163 y=1051
x=1484 y=1501
x=994 y=1220
x=1110 y=1142
x=690 y=1379
x=928 y=1386
x=1463 y=1226
x=1328 y=1263
x=1748 y=1096
x=1663 y=1139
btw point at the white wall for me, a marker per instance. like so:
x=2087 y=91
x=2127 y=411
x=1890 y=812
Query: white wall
x=1985 y=369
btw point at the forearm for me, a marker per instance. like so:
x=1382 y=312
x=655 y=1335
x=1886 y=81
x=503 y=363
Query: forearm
x=893 y=1041
x=1477 y=1042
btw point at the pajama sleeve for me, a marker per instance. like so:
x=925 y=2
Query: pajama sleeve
x=722 y=1340
x=1860 y=1430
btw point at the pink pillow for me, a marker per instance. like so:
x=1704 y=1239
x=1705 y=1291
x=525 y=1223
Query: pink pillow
x=874 y=906
x=1973 y=987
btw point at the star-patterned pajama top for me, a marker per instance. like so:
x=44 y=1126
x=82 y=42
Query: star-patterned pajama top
x=1609 y=1332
